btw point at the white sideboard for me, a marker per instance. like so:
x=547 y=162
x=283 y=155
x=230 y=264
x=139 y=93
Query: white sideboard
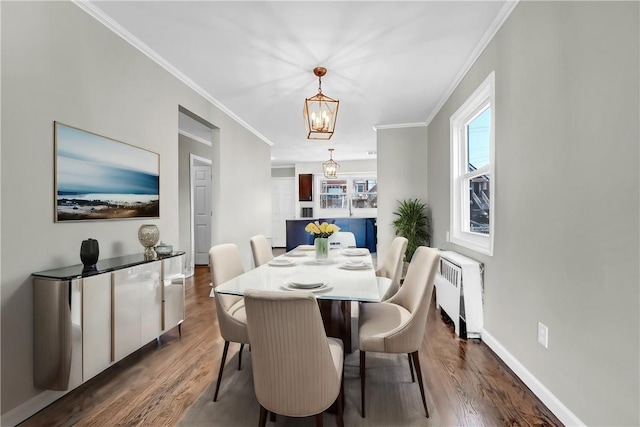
x=85 y=321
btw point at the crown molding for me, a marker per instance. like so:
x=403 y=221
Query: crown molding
x=400 y=125
x=502 y=16
x=108 y=22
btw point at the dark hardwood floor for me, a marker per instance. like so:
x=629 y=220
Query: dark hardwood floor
x=156 y=385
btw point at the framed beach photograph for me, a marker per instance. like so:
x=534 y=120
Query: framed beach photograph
x=98 y=178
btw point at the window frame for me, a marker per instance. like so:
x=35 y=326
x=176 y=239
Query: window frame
x=481 y=99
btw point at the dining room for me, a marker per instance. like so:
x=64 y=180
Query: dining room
x=490 y=113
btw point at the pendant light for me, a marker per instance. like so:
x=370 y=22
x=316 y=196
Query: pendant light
x=320 y=111
x=330 y=167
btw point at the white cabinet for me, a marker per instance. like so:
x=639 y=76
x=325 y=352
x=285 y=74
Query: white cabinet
x=137 y=307
x=172 y=292
x=96 y=325
x=83 y=322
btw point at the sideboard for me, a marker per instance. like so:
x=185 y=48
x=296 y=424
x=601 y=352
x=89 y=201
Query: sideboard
x=85 y=321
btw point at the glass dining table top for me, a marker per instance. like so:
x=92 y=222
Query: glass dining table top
x=347 y=274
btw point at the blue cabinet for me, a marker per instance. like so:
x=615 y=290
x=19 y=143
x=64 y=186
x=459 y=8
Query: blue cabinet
x=364 y=229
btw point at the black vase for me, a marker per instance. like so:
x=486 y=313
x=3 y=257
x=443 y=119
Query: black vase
x=89 y=252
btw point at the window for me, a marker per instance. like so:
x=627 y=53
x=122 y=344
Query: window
x=348 y=196
x=472 y=170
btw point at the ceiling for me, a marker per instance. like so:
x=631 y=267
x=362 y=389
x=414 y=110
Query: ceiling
x=389 y=63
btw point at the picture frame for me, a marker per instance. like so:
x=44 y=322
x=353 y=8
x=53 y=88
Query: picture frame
x=100 y=178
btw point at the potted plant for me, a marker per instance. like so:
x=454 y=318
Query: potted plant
x=413 y=223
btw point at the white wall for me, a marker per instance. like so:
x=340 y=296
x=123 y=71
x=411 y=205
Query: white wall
x=58 y=63
x=567 y=201
x=402 y=174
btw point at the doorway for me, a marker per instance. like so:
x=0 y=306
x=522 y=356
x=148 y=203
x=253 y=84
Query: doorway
x=201 y=209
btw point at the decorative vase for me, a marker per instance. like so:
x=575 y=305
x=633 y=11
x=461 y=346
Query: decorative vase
x=321 y=245
x=148 y=235
x=89 y=253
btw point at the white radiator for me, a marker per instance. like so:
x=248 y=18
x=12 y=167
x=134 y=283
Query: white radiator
x=460 y=291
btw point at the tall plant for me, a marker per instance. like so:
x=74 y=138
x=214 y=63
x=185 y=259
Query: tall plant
x=413 y=223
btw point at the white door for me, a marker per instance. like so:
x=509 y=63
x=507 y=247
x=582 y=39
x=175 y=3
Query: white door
x=201 y=213
x=283 y=205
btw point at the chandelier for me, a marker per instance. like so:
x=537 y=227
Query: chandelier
x=320 y=111
x=330 y=167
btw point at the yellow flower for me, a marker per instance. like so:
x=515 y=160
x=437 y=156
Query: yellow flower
x=321 y=230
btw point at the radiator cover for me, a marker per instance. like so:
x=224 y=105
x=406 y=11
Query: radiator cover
x=460 y=292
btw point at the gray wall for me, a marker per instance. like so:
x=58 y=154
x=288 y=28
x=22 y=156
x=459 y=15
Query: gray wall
x=567 y=199
x=402 y=174
x=58 y=63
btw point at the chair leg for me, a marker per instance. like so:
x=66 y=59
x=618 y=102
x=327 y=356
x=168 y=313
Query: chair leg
x=224 y=359
x=319 y=420
x=339 y=417
x=240 y=357
x=362 y=367
x=263 y=417
x=416 y=364
x=272 y=417
x=413 y=378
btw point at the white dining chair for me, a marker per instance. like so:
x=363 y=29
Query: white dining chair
x=398 y=325
x=342 y=239
x=297 y=370
x=391 y=268
x=225 y=263
x=261 y=250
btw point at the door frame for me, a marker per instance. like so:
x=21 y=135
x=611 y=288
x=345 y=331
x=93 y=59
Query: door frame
x=192 y=160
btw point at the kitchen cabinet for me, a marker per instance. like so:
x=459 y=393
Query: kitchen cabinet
x=305 y=187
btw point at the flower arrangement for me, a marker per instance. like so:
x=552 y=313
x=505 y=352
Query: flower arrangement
x=321 y=230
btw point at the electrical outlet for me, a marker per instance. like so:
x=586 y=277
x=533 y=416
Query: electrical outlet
x=543 y=335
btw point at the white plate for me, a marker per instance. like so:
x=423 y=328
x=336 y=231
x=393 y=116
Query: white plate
x=296 y=254
x=304 y=283
x=363 y=266
x=306 y=248
x=355 y=252
x=281 y=263
x=323 y=288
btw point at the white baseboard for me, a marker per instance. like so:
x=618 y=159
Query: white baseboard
x=30 y=407
x=554 y=404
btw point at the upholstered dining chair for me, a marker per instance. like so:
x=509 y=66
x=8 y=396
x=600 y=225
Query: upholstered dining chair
x=391 y=267
x=297 y=370
x=225 y=263
x=343 y=239
x=261 y=250
x=398 y=325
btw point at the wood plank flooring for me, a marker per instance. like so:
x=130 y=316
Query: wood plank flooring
x=156 y=385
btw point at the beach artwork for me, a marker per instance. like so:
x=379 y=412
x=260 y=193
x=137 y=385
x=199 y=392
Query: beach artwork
x=99 y=178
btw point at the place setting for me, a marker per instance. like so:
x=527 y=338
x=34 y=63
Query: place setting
x=355 y=252
x=356 y=264
x=282 y=262
x=306 y=285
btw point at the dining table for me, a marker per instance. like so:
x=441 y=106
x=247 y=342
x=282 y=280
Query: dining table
x=345 y=275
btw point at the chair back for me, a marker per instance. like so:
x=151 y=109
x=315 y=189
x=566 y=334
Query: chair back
x=261 y=250
x=343 y=239
x=391 y=267
x=293 y=369
x=225 y=263
x=415 y=296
